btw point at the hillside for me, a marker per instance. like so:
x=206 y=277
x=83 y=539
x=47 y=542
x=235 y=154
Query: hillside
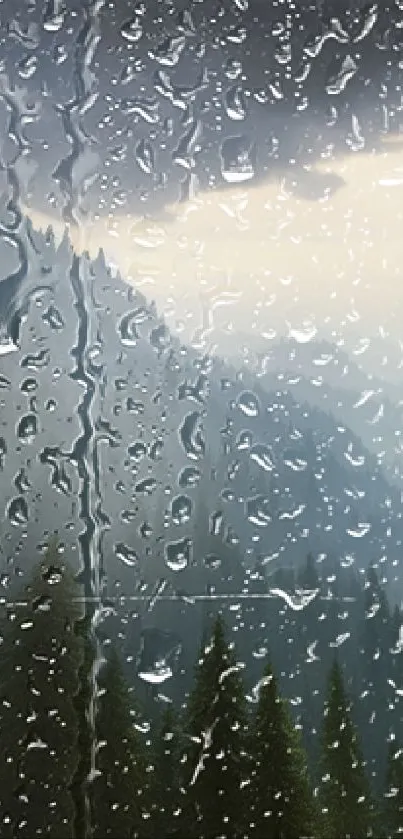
x=175 y=474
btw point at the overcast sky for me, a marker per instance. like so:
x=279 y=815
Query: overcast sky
x=107 y=107
x=305 y=251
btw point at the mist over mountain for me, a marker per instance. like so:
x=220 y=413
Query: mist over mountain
x=180 y=476
x=325 y=375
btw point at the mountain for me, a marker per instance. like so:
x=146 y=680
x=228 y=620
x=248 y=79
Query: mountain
x=326 y=376
x=171 y=475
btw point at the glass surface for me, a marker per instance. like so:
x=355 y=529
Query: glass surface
x=201 y=419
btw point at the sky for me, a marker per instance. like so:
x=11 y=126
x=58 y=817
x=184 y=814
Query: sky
x=305 y=253
x=108 y=107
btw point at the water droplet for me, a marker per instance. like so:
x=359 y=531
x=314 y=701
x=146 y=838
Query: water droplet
x=212 y=562
x=361 y=530
x=338 y=82
x=248 y=403
x=216 y=520
x=235 y=103
x=191 y=435
x=53 y=318
x=181 y=509
x=17 y=511
x=5 y=383
x=27 y=428
x=52 y=575
x=261 y=455
x=189 y=477
x=43 y=603
x=302 y=336
x=257 y=510
x=178 y=554
x=160 y=338
x=137 y=450
x=127 y=555
x=3 y=451
x=36 y=361
x=21 y=481
x=28 y=66
x=169 y=51
x=156 y=675
x=128 y=326
x=29 y=386
x=244 y=440
x=237 y=163
x=146 y=486
x=145 y=157
x=132 y=30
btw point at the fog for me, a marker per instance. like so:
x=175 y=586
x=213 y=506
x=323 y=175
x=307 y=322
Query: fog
x=314 y=251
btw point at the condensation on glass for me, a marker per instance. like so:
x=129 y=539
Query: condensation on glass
x=201 y=419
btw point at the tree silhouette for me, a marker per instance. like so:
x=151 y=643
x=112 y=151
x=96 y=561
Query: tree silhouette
x=280 y=795
x=39 y=662
x=374 y=708
x=216 y=759
x=119 y=792
x=344 y=790
x=166 y=798
x=393 y=799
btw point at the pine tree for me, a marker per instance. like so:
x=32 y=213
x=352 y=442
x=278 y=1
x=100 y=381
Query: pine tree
x=39 y=662
x=393 y=799
x=80 y=782
x=280 y=795
x=166 y=798
x=308 y=576
x=344 y=790
x=396 y=671
x=308 y=676
x=216 y=760
x=376 y=668
x=119 y=793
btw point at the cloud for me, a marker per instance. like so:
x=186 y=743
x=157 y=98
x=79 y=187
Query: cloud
x=319 y=245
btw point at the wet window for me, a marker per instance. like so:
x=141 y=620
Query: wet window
x=201 y=419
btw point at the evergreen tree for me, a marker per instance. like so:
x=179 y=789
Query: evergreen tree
x=166 y=798
x=79 y=786
x=396 y=671
x=308 y=636
x=119 y=792
x=308 y=576
x=216 y=763
x=280 y=795
x=376 y=666
x=39 y=662
x=344 y=789
x=393 y=800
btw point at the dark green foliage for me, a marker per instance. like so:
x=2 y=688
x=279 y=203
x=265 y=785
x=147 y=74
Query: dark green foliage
x=280 y=795
x=119 y=792
x=374 y=709
x=66 y=773
x=306 y=635
x=308 y=575
x=344 y=789
x=167 y=797
x=39 y=662
x=393 y=799
x=79 y=786
x=216 y=764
